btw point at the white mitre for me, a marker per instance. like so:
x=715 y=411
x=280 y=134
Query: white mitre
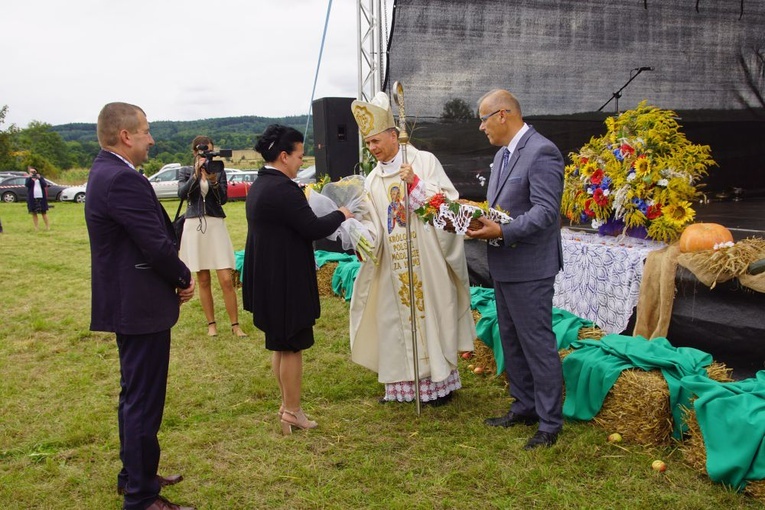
x=373 y=117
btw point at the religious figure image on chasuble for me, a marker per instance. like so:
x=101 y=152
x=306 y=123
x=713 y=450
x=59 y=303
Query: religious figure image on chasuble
x=396 y=209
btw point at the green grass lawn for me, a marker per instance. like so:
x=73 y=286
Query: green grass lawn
x=58 y=426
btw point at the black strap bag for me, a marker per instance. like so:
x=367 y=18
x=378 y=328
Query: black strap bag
x=178 y=222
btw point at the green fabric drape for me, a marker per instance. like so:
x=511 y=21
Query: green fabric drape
x=732 y=421
x=239 y=263
x=345 y=273
x=565 y=324
x=322 y=257
x=487 y=328
x=592 y=369
x=343 y=278
x=566 y=327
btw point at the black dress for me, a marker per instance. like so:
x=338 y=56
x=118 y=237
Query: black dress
x=279 y=281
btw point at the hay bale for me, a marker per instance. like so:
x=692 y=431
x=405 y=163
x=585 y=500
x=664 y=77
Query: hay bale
x=756 y=489
x=324 y=278
x=483 y=356
x=591 y=333
x=638 y=408
x=692 y=448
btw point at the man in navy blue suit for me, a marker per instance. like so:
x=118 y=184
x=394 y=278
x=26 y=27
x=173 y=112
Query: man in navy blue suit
x=524 y=256
x=138 y=284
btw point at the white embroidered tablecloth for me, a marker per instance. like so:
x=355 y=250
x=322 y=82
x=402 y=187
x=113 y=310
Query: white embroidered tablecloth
x=601 y=277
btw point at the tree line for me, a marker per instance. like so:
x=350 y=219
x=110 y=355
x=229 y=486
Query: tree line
x=53 y=149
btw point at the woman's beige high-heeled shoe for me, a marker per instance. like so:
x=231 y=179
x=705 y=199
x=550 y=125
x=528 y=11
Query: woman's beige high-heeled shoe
x=237 y=331
x=297 y=419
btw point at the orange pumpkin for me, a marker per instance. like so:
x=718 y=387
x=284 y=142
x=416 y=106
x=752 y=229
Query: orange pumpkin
x=703 y=236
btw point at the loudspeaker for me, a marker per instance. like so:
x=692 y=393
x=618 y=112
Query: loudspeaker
x=336 y=137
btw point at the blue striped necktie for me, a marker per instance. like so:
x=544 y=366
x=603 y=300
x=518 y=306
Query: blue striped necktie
x=503 y=164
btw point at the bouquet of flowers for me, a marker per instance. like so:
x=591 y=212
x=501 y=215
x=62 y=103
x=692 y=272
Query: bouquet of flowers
x=641 y=175
x=325 y=197
x=458 y=216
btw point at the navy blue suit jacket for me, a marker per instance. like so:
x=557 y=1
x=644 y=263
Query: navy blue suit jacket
x=134 y=262
x=531 y=193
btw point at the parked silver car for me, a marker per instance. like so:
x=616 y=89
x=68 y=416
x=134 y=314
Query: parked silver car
x=165 y=182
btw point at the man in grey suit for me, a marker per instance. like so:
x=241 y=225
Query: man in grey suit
x=524 y=256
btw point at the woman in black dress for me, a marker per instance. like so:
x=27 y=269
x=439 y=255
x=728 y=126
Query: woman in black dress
x=279 y=281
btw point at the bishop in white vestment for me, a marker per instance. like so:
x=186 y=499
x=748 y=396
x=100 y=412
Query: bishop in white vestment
x=380 y=316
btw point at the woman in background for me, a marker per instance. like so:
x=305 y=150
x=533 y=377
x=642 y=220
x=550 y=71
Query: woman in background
x=279 y=285
x=37 y=196
x=205 y=243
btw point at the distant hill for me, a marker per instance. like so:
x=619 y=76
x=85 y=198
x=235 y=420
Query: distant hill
x=174 y=138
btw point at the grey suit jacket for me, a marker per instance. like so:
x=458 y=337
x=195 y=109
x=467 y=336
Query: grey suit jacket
x=531 y=193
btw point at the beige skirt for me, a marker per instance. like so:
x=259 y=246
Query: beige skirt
x=205 y=244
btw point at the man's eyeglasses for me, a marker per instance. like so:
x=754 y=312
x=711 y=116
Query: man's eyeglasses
x=484 y=118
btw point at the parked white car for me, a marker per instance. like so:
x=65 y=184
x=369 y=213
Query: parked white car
x=306 y=175
x=165 y=182
x=73 y=194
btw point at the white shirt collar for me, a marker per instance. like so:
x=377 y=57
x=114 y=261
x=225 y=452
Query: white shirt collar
x=517 y=138
x=128 y=163
x=393 y=166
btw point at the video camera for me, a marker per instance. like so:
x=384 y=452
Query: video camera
x=210 y=165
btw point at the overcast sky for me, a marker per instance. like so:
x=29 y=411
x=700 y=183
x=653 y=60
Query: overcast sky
x=177 y=59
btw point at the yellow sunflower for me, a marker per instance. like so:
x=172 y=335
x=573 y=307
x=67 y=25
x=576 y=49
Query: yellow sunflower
x=679 y=213
x=642 y=166
x=589 y=168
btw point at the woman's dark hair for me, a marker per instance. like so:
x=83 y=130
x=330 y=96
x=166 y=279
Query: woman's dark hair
x=202 y=140
x=277 y=139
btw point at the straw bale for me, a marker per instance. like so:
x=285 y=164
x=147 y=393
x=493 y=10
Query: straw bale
x=693 y=449
x=591 y=333
x=756 y=489
x=638 y=406
x=483 y=356
x=324 y=278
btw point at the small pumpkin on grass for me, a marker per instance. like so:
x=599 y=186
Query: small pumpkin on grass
x=703 y=236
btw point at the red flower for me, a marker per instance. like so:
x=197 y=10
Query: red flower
x=653 y=212
x=627 y=149
x=587 y=210
x=599 y=197
x=597 y=176
x=436 y=200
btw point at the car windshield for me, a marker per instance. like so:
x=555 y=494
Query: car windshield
x=170 y=175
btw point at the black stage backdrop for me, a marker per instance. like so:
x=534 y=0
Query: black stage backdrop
x=565 y=59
